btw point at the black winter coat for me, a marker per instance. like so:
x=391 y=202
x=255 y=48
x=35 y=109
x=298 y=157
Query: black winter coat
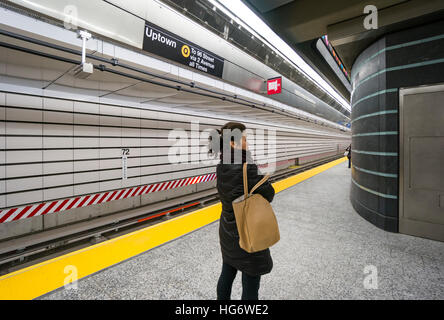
x=349 y=154
x=230 y=187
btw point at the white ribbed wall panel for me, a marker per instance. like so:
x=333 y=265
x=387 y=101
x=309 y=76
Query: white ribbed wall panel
x=53 y=147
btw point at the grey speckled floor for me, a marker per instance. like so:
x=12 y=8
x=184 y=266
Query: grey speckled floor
x=325 y=246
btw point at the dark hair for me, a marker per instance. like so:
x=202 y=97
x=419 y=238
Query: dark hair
x=227 y=130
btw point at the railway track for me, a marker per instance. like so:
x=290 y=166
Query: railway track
x=24 y=251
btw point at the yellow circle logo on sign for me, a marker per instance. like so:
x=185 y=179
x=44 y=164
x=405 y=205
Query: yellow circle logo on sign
x=186 y=51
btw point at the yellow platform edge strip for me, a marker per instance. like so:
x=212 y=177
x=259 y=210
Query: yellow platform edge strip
x=44 y=277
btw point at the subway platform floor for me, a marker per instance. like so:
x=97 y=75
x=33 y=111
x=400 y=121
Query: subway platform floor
x=326 y=251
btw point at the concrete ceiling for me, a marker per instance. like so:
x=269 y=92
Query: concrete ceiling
x=300 y=23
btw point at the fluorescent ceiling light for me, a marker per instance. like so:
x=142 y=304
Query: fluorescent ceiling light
x=68 y=17
x=240 y=13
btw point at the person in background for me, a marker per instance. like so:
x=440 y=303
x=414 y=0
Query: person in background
x=349 y=155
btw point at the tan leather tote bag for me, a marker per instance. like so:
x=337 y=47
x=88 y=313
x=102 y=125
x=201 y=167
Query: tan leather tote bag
x=255 y=219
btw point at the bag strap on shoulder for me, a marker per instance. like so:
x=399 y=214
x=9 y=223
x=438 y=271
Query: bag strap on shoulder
x=265 y=178
x=245 y=181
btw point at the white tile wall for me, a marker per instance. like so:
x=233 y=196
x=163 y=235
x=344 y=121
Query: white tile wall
x=149 y=114
x=93 y=137
x=110 y=142
x=86 y=131
x=58 y=193
x=23 y=170
x=170 y=117
x=111 y=174
x=149 y=123
x=22 y=128
x=58 y=167
x=86 y=142
x=153 y=160
x=2 y=176
x=17 y=199
x=110 y=131
x=86 y=177
x=2 y=167
x=130 y=142
x=131 y=182
x=164 y=151
x=87 y=188
x=54 y=155
x=129 y=122
x=86 y=119
x=58 y=104
x=20 y=100
x=149 y=179
x=21 y=143
x=23 y=184
x=110 y=153
x=86 y=165
x=110 y=110
x=130 y=132
x=150 y=170
x=110 y=121
x=3 y=138
x=23 y=156
x=133 y=172
x=153 y=142
x=153 y=133
x=58 y=129
x=86 y=107
x=23 y=115
x=134 y=152
x=110 y=185
x=133 y=162
x=174 y=125
x=131 y=112
x=58 y=117
x=60 y=179
x=176 y=175
x=21 y=72
x=112 y=163
x=58 y=142
x=86 y=154
x=151 y=151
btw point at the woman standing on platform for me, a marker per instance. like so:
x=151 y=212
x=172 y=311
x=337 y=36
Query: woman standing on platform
x=349 y=155
x=230 y=187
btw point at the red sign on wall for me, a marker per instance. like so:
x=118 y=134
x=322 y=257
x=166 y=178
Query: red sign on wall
x=274 y=85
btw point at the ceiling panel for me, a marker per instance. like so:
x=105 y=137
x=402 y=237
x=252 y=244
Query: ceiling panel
x=34 y=71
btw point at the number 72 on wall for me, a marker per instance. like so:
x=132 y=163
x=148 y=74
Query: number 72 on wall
x=125 y=153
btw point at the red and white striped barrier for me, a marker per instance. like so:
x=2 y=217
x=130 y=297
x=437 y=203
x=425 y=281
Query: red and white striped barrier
x=43 y=208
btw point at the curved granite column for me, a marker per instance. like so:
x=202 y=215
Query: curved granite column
x=374 y=117
x=404 y=59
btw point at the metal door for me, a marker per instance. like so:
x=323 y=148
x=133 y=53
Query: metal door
x=421 y=180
